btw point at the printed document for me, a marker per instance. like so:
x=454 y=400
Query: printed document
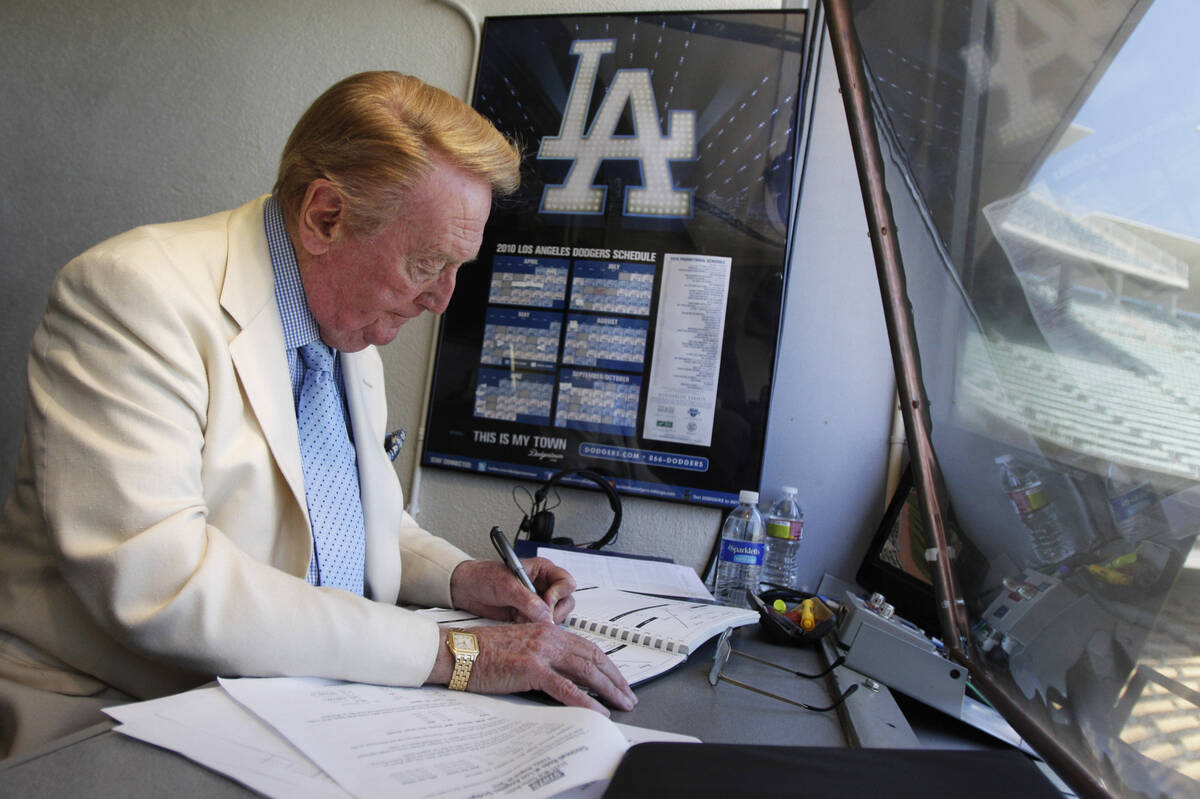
x=208 y=727
x=681 y=401
x=378 y=741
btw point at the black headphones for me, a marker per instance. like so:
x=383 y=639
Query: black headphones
x=538 y=523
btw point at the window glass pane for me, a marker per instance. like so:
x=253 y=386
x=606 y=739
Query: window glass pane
x=1044 y=165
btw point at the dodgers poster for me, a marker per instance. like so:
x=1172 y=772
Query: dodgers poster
x=623 y=312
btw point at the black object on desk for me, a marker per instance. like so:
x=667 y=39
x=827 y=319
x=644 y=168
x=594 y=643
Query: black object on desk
x=698 y=771
x=782 y=630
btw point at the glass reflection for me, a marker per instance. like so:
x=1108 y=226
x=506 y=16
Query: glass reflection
x=1045 y=159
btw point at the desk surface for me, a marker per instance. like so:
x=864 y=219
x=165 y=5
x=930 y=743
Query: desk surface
x=101 y=763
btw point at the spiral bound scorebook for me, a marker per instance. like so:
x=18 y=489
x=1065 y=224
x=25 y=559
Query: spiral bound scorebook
x=648 y=635
x=644 y=636
x=619 y=632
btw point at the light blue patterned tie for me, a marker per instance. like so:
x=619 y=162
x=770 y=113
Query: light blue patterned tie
x=330 y=476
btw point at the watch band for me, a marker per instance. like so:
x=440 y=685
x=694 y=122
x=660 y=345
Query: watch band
x=461 y=673
x=464 y=658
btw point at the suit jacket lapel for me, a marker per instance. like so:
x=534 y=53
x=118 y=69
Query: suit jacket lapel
x=248 y=295
x=383 y=504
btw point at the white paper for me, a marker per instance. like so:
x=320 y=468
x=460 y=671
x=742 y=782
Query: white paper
x=640 y=735
x=636 y=663
x=378 y=741
x=629 y=574
x=689 y=334
x=207 y=726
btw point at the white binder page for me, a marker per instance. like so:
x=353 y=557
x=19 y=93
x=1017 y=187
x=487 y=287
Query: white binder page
x=629 y=574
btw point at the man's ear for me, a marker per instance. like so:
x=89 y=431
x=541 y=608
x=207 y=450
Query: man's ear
x=322 y=217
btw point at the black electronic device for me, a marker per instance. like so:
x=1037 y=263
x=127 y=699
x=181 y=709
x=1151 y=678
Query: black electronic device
x=895 y=563
x=662 y=770
x=538 y=523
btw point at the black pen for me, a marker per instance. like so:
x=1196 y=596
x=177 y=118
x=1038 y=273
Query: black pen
x=510 y=558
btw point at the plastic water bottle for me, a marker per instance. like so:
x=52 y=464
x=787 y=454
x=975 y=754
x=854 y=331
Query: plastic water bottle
x=741 y=555
x=785 y=530
x=1135 y=507
x=1034 y=506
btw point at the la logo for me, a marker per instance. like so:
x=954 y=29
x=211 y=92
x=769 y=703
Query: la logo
x=657 y=196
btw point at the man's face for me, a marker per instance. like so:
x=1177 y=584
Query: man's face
x=361 y=290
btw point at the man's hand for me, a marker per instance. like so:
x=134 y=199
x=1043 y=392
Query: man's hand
x=542 y=657
x=531 y=656
x=487 y=588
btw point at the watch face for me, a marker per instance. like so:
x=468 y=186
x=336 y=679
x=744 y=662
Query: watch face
x=464 y=642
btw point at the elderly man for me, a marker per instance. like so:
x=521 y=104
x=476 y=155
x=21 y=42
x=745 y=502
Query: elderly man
x=202 y=488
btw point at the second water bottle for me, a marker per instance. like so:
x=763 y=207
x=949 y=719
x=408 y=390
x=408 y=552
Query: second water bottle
x=785 y=531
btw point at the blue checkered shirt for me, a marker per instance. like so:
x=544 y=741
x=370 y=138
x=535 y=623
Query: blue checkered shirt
x=299 y=327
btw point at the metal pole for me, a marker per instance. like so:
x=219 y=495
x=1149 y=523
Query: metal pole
x=897 y=313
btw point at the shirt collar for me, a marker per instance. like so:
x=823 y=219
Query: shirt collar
x=299 y=327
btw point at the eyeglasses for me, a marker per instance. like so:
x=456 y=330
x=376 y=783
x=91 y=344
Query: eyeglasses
x=725 y=649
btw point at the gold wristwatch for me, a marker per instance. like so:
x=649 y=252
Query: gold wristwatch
x=465 y=648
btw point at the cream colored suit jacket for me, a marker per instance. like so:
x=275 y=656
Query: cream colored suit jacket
x=158 y=534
